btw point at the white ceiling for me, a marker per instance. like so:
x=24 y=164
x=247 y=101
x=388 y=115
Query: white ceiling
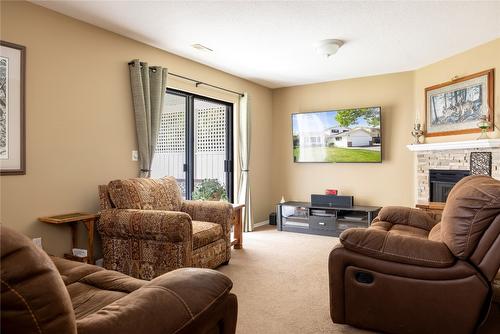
x=271 y=43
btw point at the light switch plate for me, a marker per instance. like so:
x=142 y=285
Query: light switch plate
x=135 y=155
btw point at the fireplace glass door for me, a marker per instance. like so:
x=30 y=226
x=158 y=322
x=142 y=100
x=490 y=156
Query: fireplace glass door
x=442 y=181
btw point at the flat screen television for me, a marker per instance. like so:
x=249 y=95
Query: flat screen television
x=347 y=135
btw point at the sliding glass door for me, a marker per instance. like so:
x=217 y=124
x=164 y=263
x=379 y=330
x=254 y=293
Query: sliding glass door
x=195 y=142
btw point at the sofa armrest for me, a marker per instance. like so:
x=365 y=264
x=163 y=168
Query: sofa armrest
x=397 y=248
x=210 y=211
x=169 y=303
x=171 y=226
x=406 y=216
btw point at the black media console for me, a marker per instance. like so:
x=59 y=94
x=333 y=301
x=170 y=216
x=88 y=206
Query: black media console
x=303 y=217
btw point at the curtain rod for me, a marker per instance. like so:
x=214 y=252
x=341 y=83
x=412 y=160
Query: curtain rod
x=198 y=82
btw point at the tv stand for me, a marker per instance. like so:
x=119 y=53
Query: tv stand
x=303 y=217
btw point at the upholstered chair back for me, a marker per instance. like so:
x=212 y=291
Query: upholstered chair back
x=141 y=194
x=470 y=224
x=34 y=298
x=104 y=200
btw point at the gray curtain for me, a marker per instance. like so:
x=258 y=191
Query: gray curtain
x=148 y=90
x=244 y=159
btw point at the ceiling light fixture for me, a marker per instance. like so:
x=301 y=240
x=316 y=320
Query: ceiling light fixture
x=328 y=47
x=201 y=47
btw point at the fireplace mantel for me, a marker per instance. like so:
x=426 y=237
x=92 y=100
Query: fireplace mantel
x=456 y=145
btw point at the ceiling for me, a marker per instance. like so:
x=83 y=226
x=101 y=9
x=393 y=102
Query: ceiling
x=272 y=43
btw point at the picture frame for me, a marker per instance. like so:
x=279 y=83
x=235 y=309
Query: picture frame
x=12 y=109
x=455 y=107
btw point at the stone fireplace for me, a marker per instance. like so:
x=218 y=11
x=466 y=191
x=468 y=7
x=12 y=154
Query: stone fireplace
x=453 y=156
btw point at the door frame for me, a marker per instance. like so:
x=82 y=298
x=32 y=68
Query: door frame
x=189 y=151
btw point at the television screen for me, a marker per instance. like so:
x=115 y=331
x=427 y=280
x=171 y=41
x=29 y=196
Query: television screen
x=348 y=135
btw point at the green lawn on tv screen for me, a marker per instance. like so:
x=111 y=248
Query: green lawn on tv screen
x=335 y=154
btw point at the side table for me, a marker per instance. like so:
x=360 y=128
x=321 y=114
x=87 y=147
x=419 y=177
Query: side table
x=435 y=209
x=88 y=220
x=237 y=223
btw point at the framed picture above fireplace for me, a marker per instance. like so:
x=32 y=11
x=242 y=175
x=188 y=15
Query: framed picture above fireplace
x=456 y=106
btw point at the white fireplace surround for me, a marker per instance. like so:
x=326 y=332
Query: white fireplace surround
x=455 y=145
x=450 y=156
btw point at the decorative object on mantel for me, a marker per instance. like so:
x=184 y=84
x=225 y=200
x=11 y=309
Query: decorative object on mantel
x=480 y=163
x=457 y=145
x=456 y=106
x=417 y=133
x=484 y=125
x=12 y=114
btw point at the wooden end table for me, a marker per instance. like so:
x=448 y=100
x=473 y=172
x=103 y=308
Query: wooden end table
x=435 y=209
x=237 y=222
x=88 y=220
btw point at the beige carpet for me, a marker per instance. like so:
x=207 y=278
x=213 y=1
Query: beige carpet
x=281 y=280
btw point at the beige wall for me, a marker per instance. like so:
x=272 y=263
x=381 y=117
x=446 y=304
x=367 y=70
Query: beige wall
x=475 y=60
x=388 y=183
x=80 y=126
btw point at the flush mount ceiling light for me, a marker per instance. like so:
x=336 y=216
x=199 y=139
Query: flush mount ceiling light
x=328 y=47
x=201 y=48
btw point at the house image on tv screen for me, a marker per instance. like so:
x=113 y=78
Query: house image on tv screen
x=357 y=137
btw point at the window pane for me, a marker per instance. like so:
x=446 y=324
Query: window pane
x=210 y=131
x=170 y=154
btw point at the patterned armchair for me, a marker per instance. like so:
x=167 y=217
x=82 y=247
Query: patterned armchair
x=147 y=229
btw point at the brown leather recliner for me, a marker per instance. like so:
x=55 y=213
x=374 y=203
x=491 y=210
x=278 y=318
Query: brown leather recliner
x=407 y=274
x=42 y=294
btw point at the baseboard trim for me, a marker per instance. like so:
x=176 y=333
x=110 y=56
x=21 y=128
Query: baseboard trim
x=265 y=222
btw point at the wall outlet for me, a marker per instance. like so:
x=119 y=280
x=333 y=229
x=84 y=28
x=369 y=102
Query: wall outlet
x=38 y=242
x=135 y=155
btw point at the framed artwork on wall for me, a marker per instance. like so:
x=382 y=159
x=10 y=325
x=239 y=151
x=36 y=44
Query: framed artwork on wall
x=12 y=113
x=455 y=107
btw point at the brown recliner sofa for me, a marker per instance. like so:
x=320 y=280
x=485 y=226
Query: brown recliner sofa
x=407 y=273
x=42 y=294
x=147 y=229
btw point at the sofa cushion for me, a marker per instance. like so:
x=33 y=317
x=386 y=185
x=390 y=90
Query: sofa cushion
x=472 y=205
x=401 y=246
x=435 y=233
x=205 y=233
x=400 y=229
x=146 y=194
x=92 y=288
x=183 y=301
x=405 y=216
